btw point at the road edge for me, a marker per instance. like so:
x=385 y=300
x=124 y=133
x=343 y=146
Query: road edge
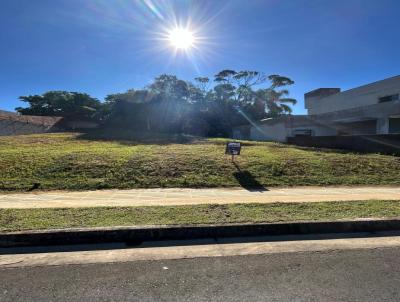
x=138 y=234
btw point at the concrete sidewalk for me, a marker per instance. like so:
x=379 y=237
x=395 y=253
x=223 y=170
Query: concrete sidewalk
x=166 y=197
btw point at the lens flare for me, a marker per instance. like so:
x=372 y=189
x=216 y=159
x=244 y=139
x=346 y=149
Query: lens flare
x=181 y=38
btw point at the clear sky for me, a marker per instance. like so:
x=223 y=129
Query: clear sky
x=108 y=46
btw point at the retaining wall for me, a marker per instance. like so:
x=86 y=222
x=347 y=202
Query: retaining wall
x=385 y=144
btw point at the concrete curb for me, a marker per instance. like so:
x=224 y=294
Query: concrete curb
x=139 y=234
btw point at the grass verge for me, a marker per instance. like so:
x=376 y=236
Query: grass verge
x=39 y=219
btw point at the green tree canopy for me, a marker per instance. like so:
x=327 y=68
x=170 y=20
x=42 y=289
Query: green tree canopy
x=71 y=105
x=168 y=104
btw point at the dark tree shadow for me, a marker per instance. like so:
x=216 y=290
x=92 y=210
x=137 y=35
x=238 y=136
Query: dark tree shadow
x=129 y=137
x=247 y=180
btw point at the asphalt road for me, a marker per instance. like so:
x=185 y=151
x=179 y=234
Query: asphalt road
x=338 y=275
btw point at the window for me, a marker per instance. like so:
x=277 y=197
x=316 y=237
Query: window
x=394 y=125
x=302 y=132
x=389 y=98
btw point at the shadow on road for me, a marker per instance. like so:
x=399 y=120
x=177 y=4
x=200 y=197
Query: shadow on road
x=247 y=180
x=205 y=241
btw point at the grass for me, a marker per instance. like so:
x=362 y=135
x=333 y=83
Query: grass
x=38 y=219
x=81 y=162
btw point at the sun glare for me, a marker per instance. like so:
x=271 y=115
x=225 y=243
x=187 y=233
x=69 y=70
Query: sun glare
x=181 y=38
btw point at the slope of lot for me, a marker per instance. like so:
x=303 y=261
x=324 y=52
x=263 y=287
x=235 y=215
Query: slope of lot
x=78 y=162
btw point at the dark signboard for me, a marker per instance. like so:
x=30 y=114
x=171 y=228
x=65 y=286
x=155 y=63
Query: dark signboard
x=233 y=148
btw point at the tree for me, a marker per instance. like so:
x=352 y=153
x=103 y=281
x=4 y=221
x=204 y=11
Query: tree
x=276 y=100
x=236 y=89
x=224 y=92
x=202 y=84
x=162 y=106
x=170 y=88
x=169 y=104
x=172 y=102
x=71 y=105
x=130 y=108
x=240 y=83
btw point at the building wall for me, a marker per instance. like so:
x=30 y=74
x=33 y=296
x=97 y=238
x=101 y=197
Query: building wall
x=331 y=113
x=377 y=113
x=358 y=127
x=315 y=129
x=386 y=144
x=269 y=132
x=358 y=97
x=318 y=127
x=12 y=123
x=9 y=127
x=281 y=128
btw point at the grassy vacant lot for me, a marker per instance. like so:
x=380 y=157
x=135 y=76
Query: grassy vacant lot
x=79 y=162
x=35 y=219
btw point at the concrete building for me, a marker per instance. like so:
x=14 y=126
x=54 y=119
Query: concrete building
x=367 y=110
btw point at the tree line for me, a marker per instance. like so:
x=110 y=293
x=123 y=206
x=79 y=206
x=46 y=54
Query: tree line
x=208 y=107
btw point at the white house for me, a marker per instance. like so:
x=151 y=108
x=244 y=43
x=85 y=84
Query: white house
x=370 y=109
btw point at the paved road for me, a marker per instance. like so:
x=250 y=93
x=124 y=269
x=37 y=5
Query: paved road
x=149 y=197
x=337 y=275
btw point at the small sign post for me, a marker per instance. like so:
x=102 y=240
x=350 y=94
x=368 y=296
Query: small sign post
x=233 y=148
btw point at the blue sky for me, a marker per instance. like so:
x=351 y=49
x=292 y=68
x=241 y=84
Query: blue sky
x=107 y=46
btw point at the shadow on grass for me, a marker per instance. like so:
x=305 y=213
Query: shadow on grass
x=247 y=180
x=276 y=145
x=132 y=137
x=128 y=137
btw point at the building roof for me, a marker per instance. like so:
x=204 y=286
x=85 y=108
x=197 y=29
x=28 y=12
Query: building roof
x=332 y=92
x=320 y=92
x=372 y=84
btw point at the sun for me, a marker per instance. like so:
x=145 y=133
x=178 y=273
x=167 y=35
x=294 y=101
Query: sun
x=181 y=38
